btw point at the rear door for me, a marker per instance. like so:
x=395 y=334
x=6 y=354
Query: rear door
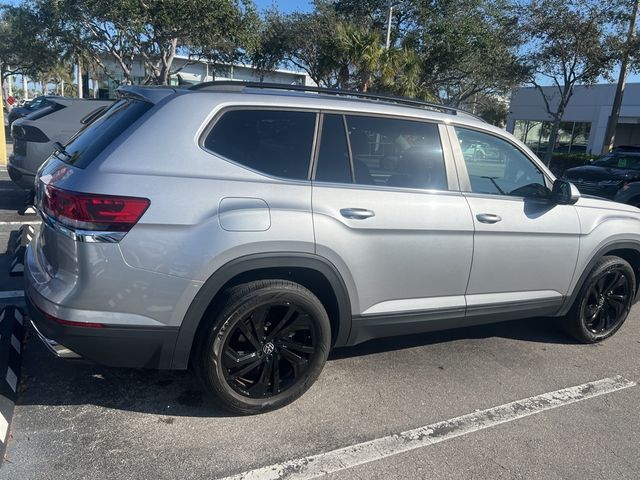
x=387 y=212
x=525 y=245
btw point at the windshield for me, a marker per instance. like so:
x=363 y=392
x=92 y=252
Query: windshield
x=631 y=162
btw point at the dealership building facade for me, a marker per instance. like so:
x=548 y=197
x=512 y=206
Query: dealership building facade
x=584 y=122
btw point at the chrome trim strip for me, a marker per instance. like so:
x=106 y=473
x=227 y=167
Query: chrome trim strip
x=86 y=236
x=54 y=347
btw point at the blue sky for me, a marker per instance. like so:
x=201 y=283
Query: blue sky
x=285 y=5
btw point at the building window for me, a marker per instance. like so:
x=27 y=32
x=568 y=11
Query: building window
x=573 y=137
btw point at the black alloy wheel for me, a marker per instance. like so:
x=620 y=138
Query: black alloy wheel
x=266 y=345
x=269 y=349
x=608 y=301
x=604 y=301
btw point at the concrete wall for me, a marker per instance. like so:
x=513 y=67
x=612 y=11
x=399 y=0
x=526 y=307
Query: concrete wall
x=588 y=104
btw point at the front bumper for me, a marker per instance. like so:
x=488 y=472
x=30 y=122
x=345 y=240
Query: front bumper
x=114 y=346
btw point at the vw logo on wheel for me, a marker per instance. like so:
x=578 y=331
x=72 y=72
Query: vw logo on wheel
x=268 y=348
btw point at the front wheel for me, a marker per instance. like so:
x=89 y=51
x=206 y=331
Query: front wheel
x=266 y=347
x=604 y=301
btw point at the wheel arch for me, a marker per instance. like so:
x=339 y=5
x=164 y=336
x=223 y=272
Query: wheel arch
x=311 y=271
x=627 y=250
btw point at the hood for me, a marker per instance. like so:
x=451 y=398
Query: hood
x=598 y=173
x=603 y=203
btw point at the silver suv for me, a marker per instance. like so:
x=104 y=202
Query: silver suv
x=249 y=229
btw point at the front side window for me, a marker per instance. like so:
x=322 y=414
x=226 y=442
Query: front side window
x=497 y=167
x=275 y=142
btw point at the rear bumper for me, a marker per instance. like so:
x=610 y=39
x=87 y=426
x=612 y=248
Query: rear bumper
x=131 y=347
x=20 y=177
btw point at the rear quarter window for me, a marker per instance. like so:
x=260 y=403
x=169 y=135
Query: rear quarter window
x=274 y=142
x=94 y=137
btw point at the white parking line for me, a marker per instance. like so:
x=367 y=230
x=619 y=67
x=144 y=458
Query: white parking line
x=318 y=465
x=12 y=294
x=4 y=426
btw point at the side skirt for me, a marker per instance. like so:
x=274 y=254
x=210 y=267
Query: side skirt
x=367 y=327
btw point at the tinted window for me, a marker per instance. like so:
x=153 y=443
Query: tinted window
x=93 y=138
x=333 y=156
x=273 y=142
x=396 y=153
x=497 y=167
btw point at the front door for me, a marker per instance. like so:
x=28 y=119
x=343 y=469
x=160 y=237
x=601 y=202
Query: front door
x=525 y=246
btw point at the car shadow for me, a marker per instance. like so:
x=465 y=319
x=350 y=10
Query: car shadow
x=50 y=381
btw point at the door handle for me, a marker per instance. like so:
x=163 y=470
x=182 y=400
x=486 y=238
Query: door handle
x=356 y=213
x=488 y=218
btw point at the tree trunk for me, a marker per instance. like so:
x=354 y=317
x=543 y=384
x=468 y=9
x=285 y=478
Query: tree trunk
x=553 y=136
x=612 y=123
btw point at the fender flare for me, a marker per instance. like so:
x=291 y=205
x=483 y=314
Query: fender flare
x=615 y=245
x=224 y=274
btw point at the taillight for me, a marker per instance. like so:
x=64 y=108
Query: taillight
x=88 y=211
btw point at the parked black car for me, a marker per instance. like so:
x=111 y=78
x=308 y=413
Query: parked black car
x=34 y=105
x=615 y=176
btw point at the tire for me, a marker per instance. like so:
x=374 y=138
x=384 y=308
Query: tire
x=247 y=374
x=604 y=301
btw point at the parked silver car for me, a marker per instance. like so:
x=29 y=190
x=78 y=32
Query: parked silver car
x=35 y=135
x=249 y=229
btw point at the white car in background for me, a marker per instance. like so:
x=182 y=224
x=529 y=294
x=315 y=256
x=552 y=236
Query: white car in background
x=35 y=136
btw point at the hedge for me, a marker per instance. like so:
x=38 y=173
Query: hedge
x=562 y=161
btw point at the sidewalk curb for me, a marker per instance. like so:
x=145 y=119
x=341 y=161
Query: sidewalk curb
x=12 y=327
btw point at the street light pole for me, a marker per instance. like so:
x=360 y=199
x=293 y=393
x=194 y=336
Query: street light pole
x=612 y=124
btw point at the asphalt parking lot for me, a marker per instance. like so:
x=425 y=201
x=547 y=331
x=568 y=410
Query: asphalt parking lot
x=74 y=420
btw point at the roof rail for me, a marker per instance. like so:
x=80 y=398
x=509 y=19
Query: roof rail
x=233 y=85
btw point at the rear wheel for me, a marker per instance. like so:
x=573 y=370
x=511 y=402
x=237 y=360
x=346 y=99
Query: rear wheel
x=266 y=347
x=604 y=301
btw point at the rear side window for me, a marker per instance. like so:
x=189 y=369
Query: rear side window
x=274 y=142
x=386 y=152
x=93 y=138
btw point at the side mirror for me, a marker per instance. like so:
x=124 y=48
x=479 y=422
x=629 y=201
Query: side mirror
x=564 y=193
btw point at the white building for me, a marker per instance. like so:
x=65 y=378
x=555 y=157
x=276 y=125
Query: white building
x=584 y=122
x=200 y=71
